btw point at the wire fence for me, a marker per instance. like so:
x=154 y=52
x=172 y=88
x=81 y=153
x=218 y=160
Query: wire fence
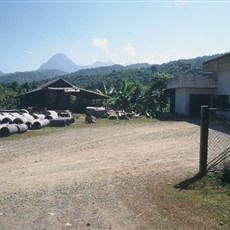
x=218 y=138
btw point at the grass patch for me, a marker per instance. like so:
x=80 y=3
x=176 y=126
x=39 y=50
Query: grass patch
x=211 y=194
x=80 y=123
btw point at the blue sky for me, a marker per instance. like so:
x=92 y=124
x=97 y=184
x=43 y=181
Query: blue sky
x=121 y=31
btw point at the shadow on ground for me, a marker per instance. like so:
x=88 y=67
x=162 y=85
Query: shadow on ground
x=186 y=184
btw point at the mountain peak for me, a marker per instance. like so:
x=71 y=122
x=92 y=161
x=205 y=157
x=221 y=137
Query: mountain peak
x=60 y=62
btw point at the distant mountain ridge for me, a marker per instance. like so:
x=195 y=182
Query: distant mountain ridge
x=1 y=73
x=176 y=68
x=63 y=63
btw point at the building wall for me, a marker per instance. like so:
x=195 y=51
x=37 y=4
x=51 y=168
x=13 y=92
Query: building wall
x=182 y=96
x=223 y=83
x=180 y=101
x=217 y=85
x=217 y=64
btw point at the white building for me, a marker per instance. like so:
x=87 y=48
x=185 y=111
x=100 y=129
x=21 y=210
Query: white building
x=212 y=89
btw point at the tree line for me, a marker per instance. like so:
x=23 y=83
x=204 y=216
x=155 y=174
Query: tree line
x=139 y=87
x=8 y=92
x=135 y=96
x=125 y=89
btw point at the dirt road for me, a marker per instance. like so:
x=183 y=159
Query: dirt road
x=106 y=177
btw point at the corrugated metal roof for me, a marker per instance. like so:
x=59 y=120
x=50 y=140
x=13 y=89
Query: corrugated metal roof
x=54 y=81
x=70 y=89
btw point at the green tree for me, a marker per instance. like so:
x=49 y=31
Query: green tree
x=156 y=96
x=108 y=91
x=128 y=96
x=7 y=95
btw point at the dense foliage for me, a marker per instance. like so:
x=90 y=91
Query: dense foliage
x=30 y=76
x=124 y=94
x=138 y=87
x=152 y=97
x=10 y=90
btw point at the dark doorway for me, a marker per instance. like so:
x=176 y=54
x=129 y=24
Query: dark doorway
x=172 y=93
x=196 y=101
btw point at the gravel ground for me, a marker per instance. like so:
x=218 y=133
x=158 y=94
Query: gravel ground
x=105 y=177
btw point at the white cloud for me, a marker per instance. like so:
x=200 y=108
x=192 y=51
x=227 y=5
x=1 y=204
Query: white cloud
x=181 y=3
x=130 y=50
x=101 y=43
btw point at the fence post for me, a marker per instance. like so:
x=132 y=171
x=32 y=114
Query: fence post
x=204 y=139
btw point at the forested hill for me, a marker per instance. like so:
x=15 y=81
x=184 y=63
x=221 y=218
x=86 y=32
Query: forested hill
x=90 y=78
x=47 y=74
x=107 y=69
x=185 y=66
x=93 y=78
x=30 y=76
x=1 y=73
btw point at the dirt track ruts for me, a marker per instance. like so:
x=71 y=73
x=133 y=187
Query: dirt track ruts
x=106 y=177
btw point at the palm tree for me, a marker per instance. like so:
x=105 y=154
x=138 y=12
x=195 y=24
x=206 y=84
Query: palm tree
x=111 y=92
x=128 y=95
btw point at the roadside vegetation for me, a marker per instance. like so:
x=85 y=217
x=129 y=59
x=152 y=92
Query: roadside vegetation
x=210 y=193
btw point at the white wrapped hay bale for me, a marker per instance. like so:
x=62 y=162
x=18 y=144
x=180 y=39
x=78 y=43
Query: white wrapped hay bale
x=28 y=116
x=7 y=118
x=39 y=116
x=1 y=117
x=51 y=114
x=20 y=120
x=67 y=114
x=8 y=130
x=38 y=124
x=22 y=128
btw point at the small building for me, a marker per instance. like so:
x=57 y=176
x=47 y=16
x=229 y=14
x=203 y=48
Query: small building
x=212 y=88
x=59 y=94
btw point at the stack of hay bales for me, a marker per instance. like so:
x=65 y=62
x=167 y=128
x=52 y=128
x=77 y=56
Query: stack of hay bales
x=8 y=126
x=19 y=121
x=13 y=122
